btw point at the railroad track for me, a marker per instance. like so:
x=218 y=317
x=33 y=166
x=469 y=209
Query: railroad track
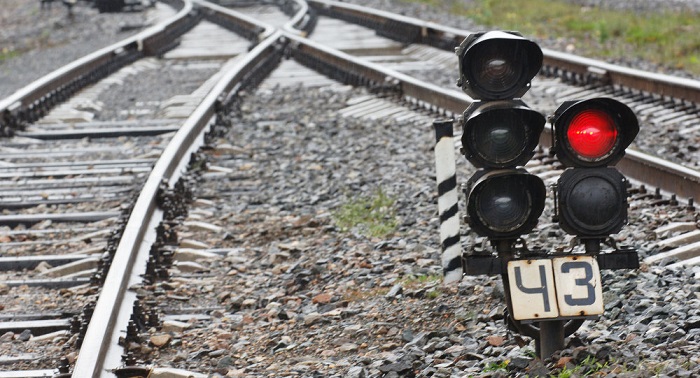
x=111 y=191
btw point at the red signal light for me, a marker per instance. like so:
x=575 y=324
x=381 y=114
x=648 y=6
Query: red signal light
x=592 y=134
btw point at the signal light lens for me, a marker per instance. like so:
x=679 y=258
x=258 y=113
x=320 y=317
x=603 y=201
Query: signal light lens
x=594 y=132
x=497 y=65
x=500 y=134
x=592 y=202
x=504 y=204
x=503 y=209
x=494 y=71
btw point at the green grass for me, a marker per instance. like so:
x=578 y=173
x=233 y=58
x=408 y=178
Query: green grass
x=493 y=366
x=6 y=53
x=421 y=279
x=586 y=368
x=373 y=216
x=671 y=39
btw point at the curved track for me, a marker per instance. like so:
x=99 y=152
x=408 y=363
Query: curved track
x=394 y=71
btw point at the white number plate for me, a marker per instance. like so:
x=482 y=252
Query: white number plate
x=559 y=287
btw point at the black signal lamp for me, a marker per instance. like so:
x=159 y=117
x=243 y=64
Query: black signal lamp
x=504 y=204
x=497 y=65
x=593 y=132
x=500 y=134
x=592 y=135
x=592 y=202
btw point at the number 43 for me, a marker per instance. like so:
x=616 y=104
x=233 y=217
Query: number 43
x=559 y=287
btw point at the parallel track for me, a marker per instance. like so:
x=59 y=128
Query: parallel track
x=100 y=350
x=604 y=78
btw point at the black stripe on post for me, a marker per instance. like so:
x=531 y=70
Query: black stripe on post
x=449 y=184
x=443 y=128
x=451 y=212
x=448 y=209
x=450 y=241
x=453 y=265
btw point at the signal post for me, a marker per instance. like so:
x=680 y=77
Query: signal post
x=548 y=295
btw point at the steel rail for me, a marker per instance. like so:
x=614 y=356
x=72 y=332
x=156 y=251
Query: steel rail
x=132 y=251
x=99 y=345
x=402 y=28
x=247 y=26
x=109 y=318
x=412 y=30
x=648 y=82
x=654 y=171
x=300 y=18
x=40 y=91
x=412 y=89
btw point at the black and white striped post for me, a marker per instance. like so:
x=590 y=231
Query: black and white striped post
x=446 y=173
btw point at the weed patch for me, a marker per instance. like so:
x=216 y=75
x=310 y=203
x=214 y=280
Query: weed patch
x=667 y=38
x=373 y=216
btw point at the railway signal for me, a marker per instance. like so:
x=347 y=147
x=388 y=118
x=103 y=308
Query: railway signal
x=500 y=133
x=590 y=136
x=548 y=294
x=497 y=65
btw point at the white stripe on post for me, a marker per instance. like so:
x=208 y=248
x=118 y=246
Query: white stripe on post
x=446 y=173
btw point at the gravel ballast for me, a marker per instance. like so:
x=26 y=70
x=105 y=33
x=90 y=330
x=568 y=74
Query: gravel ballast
x=297 y=295
x=35 y=41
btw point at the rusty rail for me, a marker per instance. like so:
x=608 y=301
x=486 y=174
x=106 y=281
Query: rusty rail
x=100 y=348
x=667 y=176
x=97 y=349
x=411 y=30
x=33 y=101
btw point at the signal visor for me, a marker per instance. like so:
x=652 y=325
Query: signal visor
x=497 y=65
x=500 y=134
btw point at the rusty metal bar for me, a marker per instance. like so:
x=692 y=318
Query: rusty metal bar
x=408 y=87
x=100 y=346
x=649 y=82
x=34 y=93
x=652 y=171
x=659 y=173
x=447 y=38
